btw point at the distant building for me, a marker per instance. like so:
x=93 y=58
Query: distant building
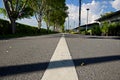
x=114 y=17
x=110 y=18
x=83 y=27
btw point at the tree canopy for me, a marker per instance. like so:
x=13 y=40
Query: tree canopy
x=53 y=12
x=16 y=9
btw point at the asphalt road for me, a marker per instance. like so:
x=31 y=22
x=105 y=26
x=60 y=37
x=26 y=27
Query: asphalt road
x=26 y=58
x=95 y=58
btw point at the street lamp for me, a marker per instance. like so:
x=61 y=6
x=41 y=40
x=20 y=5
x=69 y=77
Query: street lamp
x=87 y=18
x=79 y=14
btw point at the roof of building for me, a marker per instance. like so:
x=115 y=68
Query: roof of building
x=89 y=25
x=109 y=16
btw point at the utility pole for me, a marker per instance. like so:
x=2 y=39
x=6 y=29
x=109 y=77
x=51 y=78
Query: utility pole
x=87 y=19
x=79 y=14
x=68 y=22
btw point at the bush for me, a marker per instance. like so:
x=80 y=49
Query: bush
x=21 y=29
x=114 y=29
x=89 y=32
x=111 y=29
x=105 y=28
x=83 y=32
x=4 y=27
x=25 y=29
x=96 y=30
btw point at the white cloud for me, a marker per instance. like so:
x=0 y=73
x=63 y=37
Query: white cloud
x=116 y=4
x=28 y=21
x=32 y=21
x=73 y=15
x=3 y=17
x=96 y=8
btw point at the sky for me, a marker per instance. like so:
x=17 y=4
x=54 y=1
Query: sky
x=96 y=8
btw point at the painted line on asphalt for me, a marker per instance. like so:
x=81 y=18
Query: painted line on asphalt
x=61 y=66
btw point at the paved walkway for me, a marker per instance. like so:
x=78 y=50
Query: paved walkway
x=61 y=66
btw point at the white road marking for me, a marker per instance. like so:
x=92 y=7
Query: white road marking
x=61 y=66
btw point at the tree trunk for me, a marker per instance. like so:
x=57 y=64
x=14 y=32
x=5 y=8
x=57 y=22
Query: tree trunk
x=39 y=22
x=54 y=27
x=47 y=28
x=39 y=25
x=13 y=26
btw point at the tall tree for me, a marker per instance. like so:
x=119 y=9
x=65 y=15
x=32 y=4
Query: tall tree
x=17 y=9
x=56 y=12
x=38 y=7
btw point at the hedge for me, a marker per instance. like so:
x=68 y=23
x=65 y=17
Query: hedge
x=22 y=29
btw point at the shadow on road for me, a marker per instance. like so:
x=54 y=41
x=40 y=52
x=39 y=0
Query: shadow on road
x=27 y=68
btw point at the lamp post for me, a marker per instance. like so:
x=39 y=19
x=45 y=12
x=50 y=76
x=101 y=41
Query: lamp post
x=79 y=14
x=87 y=18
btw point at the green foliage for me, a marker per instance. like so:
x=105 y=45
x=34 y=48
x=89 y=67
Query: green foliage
x=21 y=30
x=3 y=11
x=111 y=28
x=16 y=9
x=55 y=13
x=106 y=15
x=27 y=13
x=114 y=29
x=74 y=32
x=89 y=32
x=4 y=27
x=105 y=28
x=83 y=32
x=51 y=11
x=96 y=30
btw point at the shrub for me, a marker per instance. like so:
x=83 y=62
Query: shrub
x=105 y=28
x=114 y=29
x=21 y=29
x=4 y=27
x=96 y=30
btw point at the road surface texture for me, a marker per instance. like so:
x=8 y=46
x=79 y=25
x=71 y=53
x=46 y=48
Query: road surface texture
x=27 y=58
x=95 y=58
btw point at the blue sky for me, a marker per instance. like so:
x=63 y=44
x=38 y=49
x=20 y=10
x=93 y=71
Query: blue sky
x=1 y=3
x=97 y=7
x=76 y=2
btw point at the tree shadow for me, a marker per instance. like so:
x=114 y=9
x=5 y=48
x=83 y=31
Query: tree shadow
x=27 y=68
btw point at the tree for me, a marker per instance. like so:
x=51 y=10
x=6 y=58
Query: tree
x=56 y=12
x=96 y=30
x=105 y=28
x=16 y=9
x=106 y=15
x=38 y=7
x=52 y=11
